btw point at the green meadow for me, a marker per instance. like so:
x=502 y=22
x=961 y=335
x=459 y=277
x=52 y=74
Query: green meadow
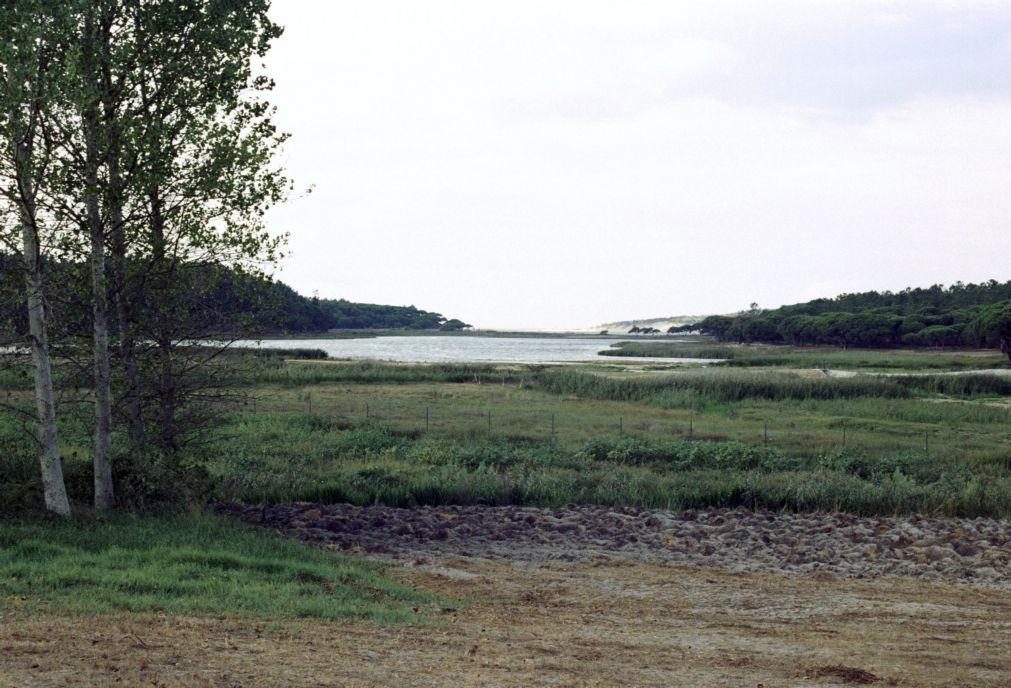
x=294 y=427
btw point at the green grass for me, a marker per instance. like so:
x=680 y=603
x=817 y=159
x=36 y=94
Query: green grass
x=192 y=565
x=437 y=434
x=307 y=457
x=766 y=355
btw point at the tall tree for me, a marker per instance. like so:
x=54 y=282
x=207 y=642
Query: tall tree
x=95 y=29
x=163 y=149
x=30 y=51
x=207 y=175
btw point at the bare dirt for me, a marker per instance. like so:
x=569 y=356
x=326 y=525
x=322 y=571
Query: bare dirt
x=942 y=549
x=572 y=600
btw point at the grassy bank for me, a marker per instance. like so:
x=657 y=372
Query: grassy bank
x=191 y=565
x=764 y=355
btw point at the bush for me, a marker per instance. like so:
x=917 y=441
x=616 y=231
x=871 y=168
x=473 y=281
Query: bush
x=681 y=455
x=144 y=482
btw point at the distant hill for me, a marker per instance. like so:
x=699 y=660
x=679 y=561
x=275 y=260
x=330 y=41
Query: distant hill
x=222 y=299
x=292 y=312
x=662 y=324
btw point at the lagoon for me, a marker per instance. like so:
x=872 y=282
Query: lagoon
x=464 y=349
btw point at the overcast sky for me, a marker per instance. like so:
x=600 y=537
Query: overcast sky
x=563 y=164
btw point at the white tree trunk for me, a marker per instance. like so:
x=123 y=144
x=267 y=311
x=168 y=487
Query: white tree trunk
x=45 y=401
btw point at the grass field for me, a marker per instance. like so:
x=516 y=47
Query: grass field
x=403 y=435
x=190 y=565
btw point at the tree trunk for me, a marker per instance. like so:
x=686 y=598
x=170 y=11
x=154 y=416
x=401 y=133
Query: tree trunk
x=1005 y=346
x=168 y=434
x=127 y=348
x=117 y=236
x=104 y=496
x=54 y=490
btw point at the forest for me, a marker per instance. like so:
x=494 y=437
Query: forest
x=225 y=299
x=977 y=315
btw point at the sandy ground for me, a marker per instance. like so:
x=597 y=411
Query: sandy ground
x=607 y=618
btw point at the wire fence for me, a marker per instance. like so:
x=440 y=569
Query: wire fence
x=550 y=424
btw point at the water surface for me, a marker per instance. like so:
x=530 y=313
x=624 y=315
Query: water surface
x=443 y=349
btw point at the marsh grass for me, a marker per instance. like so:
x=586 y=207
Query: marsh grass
x=407 y=435
x=298 y=373
x=765 y=355
x=299 y=459
x=733 y=386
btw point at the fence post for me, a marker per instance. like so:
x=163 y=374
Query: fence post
x=366 y=411
x=766 y=432
x=427 y=418
x=690 y=428
x=844 y=435
x=308 y=399
x=621 y=426
x=926 y=445
x=489 y=421
x=552 y=426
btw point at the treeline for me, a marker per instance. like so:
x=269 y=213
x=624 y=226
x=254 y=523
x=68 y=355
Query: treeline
x=959 y=315
x=222 y=300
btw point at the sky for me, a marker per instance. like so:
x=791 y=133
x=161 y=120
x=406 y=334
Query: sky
x=556 y=165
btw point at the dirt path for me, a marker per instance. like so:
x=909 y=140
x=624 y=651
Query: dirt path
x=586 y=597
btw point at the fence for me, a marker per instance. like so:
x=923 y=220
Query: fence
x=546 y=423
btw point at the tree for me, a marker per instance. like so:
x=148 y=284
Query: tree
x=207 y=178
x=95 y=54
x=173 y=149
x=993 y=328
x=159 y=150
x=30 y=65
x=453 y=325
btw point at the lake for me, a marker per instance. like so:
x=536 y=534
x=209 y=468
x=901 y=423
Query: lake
x=443 y=349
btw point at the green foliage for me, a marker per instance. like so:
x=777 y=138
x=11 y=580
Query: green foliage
x=681 y=455
x=992 y=327
x=958 y=385
x=282 y=451
x=453 y=325
x=20 y=482
x=222 y=300
x=283 y=354
x=973 y=314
